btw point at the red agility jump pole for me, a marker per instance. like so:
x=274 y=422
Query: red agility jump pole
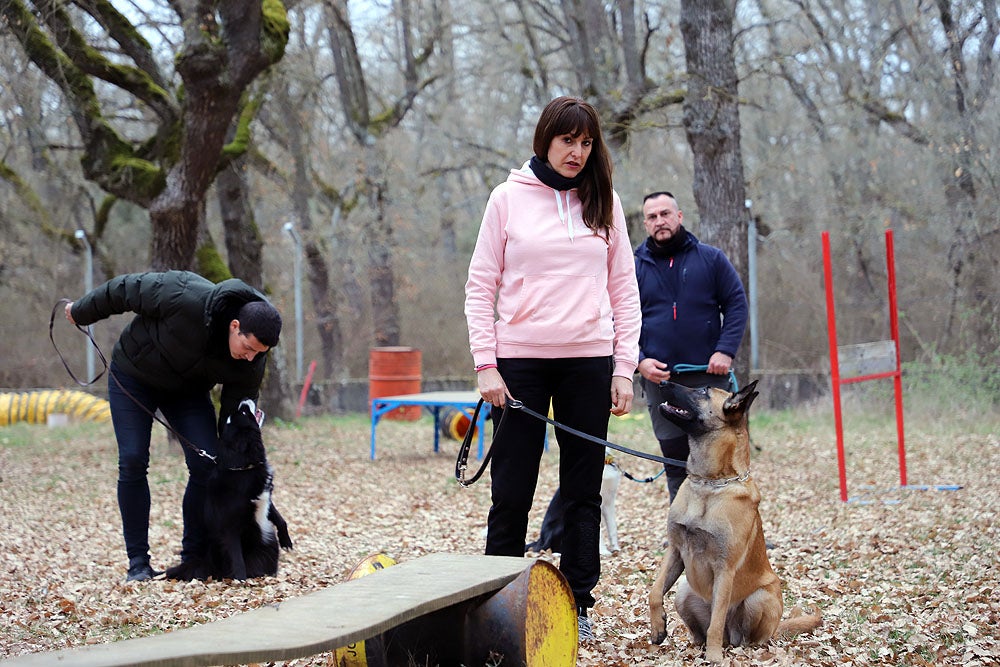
x=305 y=388
x=835 y=377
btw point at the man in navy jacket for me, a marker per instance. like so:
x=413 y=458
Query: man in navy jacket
x=694 y=312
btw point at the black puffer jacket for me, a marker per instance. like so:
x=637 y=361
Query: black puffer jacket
x=178 y=339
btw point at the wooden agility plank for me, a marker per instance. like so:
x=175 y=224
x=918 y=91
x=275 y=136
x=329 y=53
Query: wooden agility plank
x=314 y=623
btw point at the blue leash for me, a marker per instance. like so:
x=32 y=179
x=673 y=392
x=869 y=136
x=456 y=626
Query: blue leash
x=734 y=386
x=627 y=475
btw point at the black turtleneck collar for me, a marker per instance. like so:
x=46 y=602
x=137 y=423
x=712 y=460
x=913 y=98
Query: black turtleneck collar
x=671 y=247
x=551 y=177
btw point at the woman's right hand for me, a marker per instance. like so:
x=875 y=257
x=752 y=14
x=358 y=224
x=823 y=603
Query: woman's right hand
x=69 y=315
x=492 y=387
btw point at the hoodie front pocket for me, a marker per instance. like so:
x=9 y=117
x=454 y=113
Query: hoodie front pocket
x=554 y=310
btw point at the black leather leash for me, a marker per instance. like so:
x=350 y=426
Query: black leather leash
x=86 y=332
x=461 y=463
x=463 y=451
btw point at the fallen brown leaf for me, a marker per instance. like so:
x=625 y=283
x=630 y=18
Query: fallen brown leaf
x=906 y=577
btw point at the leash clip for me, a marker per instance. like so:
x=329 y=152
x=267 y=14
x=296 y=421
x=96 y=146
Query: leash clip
x=516 y=404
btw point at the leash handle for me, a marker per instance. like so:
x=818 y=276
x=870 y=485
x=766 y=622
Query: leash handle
x=734 y=386
x=461 y=463
x=86 y=332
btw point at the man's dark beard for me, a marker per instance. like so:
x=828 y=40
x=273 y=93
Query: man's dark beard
x=669 y=247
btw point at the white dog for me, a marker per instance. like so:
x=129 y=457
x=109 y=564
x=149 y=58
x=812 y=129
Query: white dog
x=552 y=528
x=609 y=492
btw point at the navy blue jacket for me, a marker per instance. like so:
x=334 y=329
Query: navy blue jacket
x=693 y=304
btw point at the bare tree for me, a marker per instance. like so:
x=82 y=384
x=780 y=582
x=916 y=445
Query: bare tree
x=596 y=50
x=927 y=77
x=973 y=84
x=183 y=122
x=316 y=251
x=415 y=43
x=611 y=53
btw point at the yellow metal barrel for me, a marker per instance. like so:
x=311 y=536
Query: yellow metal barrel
x=531 y=622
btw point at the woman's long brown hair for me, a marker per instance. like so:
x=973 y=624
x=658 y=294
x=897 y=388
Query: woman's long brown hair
x=574 y=116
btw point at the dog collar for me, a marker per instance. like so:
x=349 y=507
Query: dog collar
x=249 y=466
x=719 y=482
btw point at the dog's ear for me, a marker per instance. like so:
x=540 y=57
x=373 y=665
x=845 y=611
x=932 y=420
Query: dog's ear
x=741 y=401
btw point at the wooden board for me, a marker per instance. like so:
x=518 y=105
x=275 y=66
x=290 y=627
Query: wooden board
x=315 y=623
x=867 y=358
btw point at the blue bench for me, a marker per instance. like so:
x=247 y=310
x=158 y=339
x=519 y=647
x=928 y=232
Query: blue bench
x=465 y=401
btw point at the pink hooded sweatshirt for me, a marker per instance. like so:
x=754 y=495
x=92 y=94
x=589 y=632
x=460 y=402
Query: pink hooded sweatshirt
x=543 y=285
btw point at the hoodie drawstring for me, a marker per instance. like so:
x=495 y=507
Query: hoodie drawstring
x=569 y=216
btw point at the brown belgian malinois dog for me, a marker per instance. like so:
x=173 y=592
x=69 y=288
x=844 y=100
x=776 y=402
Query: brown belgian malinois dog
x=730 y=595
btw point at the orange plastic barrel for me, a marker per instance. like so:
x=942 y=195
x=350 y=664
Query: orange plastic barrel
x=395 y=371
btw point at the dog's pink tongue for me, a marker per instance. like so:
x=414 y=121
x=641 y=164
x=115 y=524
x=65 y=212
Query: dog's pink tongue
x=259 y=416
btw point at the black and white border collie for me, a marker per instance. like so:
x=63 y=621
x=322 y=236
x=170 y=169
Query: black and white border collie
x=244 y=529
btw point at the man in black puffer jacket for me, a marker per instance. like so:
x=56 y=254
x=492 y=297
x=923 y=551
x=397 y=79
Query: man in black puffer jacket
x=187 y=336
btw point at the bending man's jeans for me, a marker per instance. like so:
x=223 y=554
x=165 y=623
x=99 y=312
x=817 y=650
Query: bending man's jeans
x=193 y=417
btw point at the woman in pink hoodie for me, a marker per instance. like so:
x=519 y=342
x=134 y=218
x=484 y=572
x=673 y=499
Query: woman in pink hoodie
x=553 y=313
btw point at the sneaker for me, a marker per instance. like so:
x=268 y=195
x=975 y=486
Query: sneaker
x=583 y=629
x=139 y=569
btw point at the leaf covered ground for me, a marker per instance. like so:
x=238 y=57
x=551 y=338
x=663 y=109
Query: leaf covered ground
x=901 y=576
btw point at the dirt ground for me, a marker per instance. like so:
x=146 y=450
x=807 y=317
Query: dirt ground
x=902 y=576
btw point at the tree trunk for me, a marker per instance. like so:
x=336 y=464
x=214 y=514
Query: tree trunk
x=315 y=253
x=243 y=241
x=712 y=125
x=176 y=215
x=244 y=247
x=381 y=273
